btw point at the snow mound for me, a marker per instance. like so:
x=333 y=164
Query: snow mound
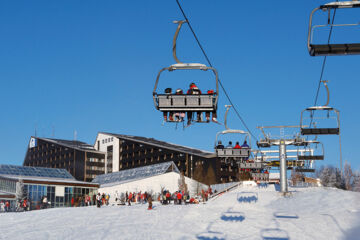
x=309 y=213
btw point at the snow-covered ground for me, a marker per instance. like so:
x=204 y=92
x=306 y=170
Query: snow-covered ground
x=244 y=213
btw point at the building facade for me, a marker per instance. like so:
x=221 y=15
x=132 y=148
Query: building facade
x=116 y=152
x=81 y=160
x=34 y=183
x=126 y=152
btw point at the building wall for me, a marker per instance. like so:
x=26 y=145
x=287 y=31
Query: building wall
x=105 y=142
x=76 y=162
x=129 y=154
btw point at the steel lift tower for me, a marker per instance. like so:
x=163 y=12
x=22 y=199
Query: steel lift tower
x=282 y=142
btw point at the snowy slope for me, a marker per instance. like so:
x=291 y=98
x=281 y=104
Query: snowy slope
x=244 y=213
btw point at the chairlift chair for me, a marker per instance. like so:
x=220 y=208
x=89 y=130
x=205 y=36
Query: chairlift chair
x=172 y=102
x=305 y=170
x=311 y=129
x=313 y=147
x=232 y=153
x=332 y=49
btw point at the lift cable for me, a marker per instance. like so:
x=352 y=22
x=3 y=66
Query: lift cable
x=324 y=61
x=208 y=60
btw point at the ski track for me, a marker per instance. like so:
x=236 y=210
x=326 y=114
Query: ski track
x=244 y=213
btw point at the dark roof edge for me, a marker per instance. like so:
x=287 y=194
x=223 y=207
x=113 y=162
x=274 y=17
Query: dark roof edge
x=204 y=154
x=69 y=146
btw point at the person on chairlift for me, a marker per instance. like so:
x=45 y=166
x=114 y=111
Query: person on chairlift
x=193 y=90
x=237 y=145
x=245 y=145
x=179 y=116
x=230 y=145
x=220 y=145
x=207 y=114
x=168 y=92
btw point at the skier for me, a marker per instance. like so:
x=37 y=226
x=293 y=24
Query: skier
x=179 y=196
x=130 y=198
x=193 y=90
x=150 y=202
x=237 y=146
x=98 y=200
x=168 y=197
x=45 y=202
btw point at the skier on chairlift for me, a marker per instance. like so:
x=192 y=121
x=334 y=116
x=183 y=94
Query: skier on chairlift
x=193 y=90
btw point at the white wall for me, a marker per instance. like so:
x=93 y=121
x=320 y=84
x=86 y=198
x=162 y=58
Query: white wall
x=106 y=140
x=168 y=180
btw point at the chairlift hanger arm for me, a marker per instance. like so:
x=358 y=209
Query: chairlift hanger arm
x=180 y=23
x=188 y=66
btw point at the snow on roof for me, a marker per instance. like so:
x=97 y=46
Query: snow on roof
x=135 y=174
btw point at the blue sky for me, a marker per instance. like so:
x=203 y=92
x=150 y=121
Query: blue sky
x=90 y=66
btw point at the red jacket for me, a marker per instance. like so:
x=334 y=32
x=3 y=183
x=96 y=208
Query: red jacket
x=192 y=89
x=130 y=196
x=237 y=146
x=179 y=196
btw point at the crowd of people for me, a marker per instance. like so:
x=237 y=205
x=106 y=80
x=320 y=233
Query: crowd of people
x=5 y=206
x=179 y=197
x=180 y=116
x=127 y=198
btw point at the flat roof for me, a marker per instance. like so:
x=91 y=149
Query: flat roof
x=134 y=174
x=73 y=144
x=162 y=144
x=25 y=171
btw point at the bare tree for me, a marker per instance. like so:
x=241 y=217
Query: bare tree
x=348 y=176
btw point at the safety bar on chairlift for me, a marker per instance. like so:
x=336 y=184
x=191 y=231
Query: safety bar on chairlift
x=329 y=6
x=187 y=67
x=313 y=142
x=233 y=131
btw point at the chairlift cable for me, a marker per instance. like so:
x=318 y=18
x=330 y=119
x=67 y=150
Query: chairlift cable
x=209 y=62
x=325 y=57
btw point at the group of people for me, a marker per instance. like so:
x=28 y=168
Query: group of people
x=180 y=116
x=102 y=199
x=5 y=206
x=180 y=197
x=230 y=146
x=83 y=201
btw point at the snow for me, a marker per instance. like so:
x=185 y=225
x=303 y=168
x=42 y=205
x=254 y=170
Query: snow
x=244 y=213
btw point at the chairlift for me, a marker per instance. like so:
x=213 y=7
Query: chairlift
x=305 y=170
x=232 y=153
x=304 y=166
x=332 y=49
x=184 y=103
x=312 y=152
x=311 y=129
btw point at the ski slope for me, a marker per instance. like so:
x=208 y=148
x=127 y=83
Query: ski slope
x=244 y=213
